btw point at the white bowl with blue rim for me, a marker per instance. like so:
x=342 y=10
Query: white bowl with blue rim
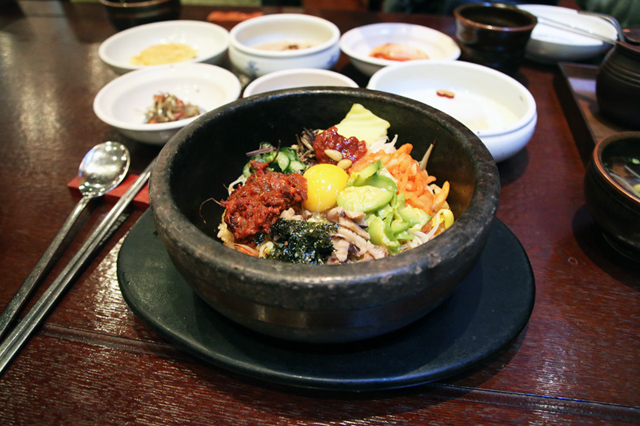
x=313 y=43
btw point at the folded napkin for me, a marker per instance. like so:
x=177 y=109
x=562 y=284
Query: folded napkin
x=222 y=16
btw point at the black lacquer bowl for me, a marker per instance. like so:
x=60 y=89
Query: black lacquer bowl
x=131 y=13
x=611 y=193
x=494 y=34
x=318 y=303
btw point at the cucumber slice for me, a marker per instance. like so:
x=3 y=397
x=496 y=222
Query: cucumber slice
x=383 y=182
x=360 y=178
x=366 y=199
x=296 y=166
x=283 y=161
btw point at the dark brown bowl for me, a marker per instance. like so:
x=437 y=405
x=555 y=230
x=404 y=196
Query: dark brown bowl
x=318 y=303
x=494 y=34
x=612 y=204
x=618 y=85
x=130 y=13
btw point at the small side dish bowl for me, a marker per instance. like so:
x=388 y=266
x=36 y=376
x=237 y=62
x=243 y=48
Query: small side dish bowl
x=318 y=303
x=123 y=102
x=209 y=40
x=549 y=44
x=130 y=13
x=496 y=107
x=612 y=191
x=288 y=79
x=269 y=43
x=358 y=44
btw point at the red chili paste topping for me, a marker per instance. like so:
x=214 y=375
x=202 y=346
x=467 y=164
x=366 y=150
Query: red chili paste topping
x=257 y=204
x=351 y=148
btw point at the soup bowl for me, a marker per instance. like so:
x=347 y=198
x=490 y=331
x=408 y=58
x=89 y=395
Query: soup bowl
x=318 y=303
x=130 y=13
x=612 y=191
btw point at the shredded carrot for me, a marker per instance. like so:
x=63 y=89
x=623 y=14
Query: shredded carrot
x=411 y=180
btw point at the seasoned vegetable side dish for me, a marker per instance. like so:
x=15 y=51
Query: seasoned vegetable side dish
x=340 y=195
x=167 y=107
x=397 y=52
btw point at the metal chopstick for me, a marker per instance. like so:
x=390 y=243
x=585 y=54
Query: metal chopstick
x=569 y=28
x=46 y=261
x=25 y=328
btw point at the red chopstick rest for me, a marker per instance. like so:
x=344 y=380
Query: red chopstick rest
x=141 y=201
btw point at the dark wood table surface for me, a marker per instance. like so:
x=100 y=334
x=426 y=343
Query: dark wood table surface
x=95 y=362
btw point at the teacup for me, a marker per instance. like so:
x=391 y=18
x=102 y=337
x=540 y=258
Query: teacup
x=125 y=14
x=494 y=34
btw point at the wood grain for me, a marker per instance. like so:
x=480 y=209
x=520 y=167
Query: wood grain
x=94 y=362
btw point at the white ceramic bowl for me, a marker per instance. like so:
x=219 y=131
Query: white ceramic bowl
x=122 y=103
x=288 y=79
x=549 y=44
x=500 y=110
x=358 y=43
x=283 y=27
x=210 y=40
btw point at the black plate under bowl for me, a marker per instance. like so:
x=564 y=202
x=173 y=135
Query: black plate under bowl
x=490 y=307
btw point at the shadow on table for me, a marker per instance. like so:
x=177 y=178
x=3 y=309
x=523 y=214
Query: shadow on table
x=513 y=168
x=591 y=240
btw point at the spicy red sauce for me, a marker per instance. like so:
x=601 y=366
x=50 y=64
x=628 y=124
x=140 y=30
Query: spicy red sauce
x=257 y=204
x=351 y=148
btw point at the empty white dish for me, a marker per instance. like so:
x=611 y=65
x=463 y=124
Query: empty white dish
x=359 y=42
x=500 y=110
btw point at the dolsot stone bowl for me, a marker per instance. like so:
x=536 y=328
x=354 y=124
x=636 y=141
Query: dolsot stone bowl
x=318 y=303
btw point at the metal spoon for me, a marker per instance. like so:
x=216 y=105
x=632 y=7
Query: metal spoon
x=101 y=170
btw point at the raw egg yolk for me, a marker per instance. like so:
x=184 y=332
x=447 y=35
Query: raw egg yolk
x=324 y=182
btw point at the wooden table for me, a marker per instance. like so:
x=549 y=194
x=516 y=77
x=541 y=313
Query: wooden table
x=95 y=362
